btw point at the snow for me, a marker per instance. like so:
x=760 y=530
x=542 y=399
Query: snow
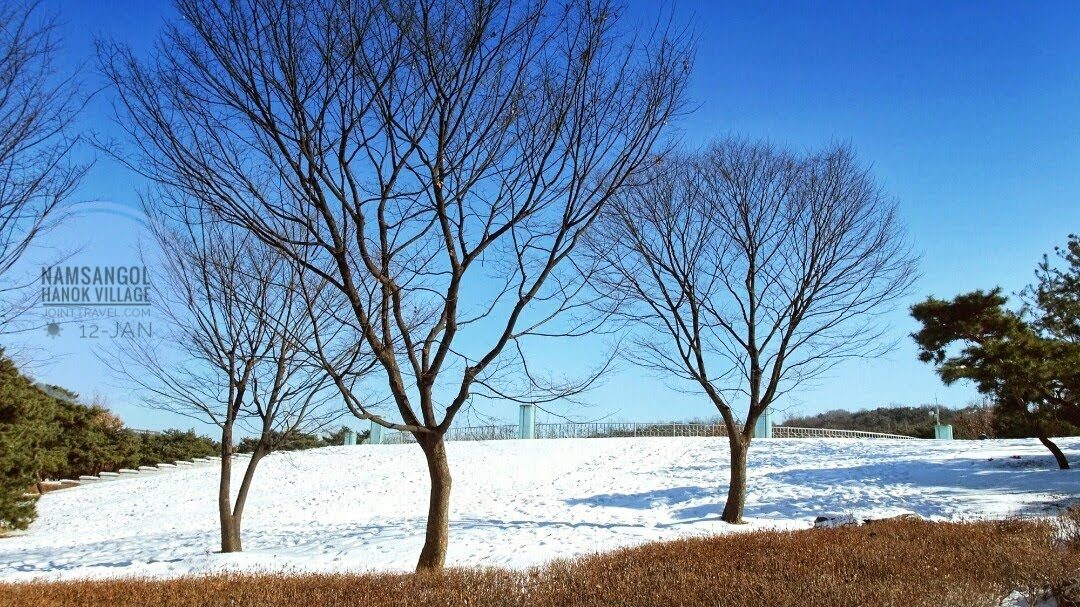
x=519 y=503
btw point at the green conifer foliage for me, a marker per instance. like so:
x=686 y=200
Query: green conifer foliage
x=27 y=425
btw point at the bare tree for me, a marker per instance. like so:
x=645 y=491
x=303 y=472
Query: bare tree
x=37 y=176
x=745 y=271
x=437 y=162
x=235 y=350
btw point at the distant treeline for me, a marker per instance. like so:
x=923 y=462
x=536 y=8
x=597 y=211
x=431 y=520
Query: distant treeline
x=89 y=439
x=298 y=441
x=968 y=422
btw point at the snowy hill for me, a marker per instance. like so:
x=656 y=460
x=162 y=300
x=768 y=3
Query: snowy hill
x=518 y=503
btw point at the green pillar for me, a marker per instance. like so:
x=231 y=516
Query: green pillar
x=376 y=435
x=527 y=421
x=943 y=432
x=763 y=426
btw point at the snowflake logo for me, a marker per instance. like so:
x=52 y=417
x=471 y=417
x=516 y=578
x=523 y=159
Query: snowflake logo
x=52 y=329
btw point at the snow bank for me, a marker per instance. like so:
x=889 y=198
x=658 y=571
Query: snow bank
x=519 y=503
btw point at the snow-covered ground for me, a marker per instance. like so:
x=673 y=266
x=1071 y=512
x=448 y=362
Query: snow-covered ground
x=519 y=503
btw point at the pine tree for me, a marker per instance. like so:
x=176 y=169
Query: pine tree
x=27 y=424
x=1032 y=374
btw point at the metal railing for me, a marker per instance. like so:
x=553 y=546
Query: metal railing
x=791 y=432
x=611 y=430
x=629 y=429
x=467 y=433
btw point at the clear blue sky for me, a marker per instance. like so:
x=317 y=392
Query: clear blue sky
x=969 y=113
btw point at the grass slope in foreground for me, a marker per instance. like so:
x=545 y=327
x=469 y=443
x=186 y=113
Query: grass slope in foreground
x=889 y=563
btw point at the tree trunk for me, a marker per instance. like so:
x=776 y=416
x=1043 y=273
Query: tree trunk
x=736 y=498
x=245 y=486
x=1062 y=462
x=230 y=532
x=231 y=524
x=230 y=535
x=433 y=555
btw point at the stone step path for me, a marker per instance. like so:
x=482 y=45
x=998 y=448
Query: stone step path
x=198 y=462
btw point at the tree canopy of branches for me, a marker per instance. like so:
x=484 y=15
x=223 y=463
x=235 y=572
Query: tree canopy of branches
x=746 y=270
x=239 y=333
x=1028 y=360
x=1054 y=299
x=36 y=173
x=435 y=162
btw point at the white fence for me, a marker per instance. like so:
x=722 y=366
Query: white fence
x=498 y=432
x=611 y=430
x=790 y=432
x=629 y=429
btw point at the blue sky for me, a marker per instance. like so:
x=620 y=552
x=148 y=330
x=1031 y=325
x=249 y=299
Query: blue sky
x=968 y=112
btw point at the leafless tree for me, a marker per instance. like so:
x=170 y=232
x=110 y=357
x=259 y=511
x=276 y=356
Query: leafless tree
x=437 y=162
x=745 y=271
x=235 y=348
x=37 y=176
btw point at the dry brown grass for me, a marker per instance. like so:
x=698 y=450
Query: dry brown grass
x=889 y=564
x=50 y=486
